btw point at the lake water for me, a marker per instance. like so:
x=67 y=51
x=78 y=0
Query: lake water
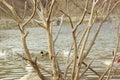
x=12 y=67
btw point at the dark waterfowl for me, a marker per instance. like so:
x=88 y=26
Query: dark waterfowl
x=44 y=53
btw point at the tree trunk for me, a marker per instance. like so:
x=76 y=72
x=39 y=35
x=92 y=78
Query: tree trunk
x=51 y=52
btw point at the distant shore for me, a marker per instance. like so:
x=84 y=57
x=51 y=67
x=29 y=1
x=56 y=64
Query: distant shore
x=7 y=23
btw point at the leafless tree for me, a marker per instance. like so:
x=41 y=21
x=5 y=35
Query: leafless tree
x=45 y=10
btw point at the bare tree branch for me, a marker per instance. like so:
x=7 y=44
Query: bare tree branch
x=16 y=17
x=32 y=15
x=35 y=63
x=42 y=17
x=68 y=18
x=25 y=8
x=83 y=16
x=50 y=11
x=60 y=26
x=86 y=69
x=85 y=41
x=40 y=24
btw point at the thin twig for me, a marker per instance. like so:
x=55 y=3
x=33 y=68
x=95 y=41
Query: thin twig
x=34 y=62
x=87 y=67
x=16 y=17
x=71 y=22
x=32 y=15
x=83 y=16
x=66 y=68
x=25 y=9
x=41 y=15
x=42 y=25
x=101 y=78
x=91 y=69
x=115 y=53
x=60 y=26
x=84 y=42
x=50 y=11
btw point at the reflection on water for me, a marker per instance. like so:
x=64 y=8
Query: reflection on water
x=12 y=67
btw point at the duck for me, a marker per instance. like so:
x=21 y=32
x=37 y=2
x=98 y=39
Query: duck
x=44 y=53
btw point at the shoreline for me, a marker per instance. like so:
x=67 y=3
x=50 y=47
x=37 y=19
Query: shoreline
x=7 y=23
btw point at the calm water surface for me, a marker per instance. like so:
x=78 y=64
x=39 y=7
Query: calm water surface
x=12 y=67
